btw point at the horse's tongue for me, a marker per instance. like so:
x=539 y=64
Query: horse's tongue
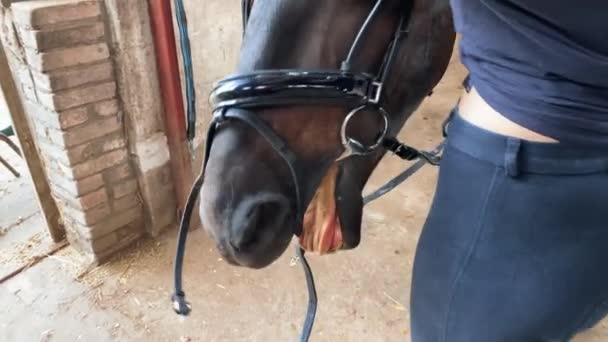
x=322 y=231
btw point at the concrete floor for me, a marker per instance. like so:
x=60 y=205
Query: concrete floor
x=363 y=293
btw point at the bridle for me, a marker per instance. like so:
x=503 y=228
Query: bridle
x=235 y=97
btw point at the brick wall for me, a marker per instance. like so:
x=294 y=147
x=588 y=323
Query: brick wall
x=62 y=59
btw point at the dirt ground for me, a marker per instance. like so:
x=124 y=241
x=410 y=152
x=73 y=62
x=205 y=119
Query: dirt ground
x=363 y=294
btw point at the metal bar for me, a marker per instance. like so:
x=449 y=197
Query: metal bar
x=10 y=143
x=9 y=167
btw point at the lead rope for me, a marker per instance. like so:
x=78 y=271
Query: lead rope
x=180 y=305
x=431 y=157
x=311 y=311
x=406 y=152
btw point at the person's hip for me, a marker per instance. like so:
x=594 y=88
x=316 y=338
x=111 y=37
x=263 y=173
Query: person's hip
x=514 y=246
x=520 y=155
x=474 y=109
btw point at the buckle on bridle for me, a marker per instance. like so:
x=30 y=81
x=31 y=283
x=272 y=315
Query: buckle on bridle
x=219 y=115
x=375 y=92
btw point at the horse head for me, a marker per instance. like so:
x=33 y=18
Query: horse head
x=276 y=167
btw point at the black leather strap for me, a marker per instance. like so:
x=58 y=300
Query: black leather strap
x=285 y=87
x=403 y=176
x=279 y=145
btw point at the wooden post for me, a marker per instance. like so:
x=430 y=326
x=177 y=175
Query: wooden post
x=47 y=203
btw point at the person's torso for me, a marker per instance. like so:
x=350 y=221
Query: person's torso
x=542 y=64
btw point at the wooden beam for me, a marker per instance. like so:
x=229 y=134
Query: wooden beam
x=47 y=203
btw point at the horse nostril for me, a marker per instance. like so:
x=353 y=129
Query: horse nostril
x=252 y=219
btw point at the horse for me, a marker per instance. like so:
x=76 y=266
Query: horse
x=321 y=90
x=255 y=198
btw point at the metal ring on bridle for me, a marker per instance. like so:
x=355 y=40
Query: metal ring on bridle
x=353 y=146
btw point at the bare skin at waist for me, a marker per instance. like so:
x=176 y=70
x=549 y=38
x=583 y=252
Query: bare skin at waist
x=474 y=109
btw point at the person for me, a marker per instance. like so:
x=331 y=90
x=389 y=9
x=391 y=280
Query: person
x=515 y=246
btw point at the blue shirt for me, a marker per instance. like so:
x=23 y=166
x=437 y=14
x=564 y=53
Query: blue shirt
x=541 y=63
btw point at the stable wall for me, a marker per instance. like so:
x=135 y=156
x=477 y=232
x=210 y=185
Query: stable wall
x=87 y=76
x=215 y=38
x=86 y=70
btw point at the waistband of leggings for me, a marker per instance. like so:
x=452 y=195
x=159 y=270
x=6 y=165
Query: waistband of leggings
x=517 y=155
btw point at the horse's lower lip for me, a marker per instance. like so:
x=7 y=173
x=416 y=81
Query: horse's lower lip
x=331 y=236
x=321 y=231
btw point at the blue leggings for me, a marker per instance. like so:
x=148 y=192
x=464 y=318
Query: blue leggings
x=515 y=247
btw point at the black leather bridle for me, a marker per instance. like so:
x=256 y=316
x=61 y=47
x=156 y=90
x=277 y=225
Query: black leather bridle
x=235 y=97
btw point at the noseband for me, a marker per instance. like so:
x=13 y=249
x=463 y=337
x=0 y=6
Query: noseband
x=236 y=97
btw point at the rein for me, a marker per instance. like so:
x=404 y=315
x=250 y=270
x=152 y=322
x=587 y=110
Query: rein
x=235 y=96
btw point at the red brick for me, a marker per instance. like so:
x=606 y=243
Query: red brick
x=85 y=202
x=67 y=57
x=112 y=243
x=89 y=217
x=96 y=148
x=124 y=188
x=125 y=202
x=91 y=240
x=105 y=243
x=118 y=173
x=83 y=133
x=60 y=121
x=75 y=97
x=84 y=34
x=115 y=222
x=100 y=163
x=88 y=168
x=40 y=13
x=77 y=188
x=106 y=108
x=54 y=81
x=81 y=153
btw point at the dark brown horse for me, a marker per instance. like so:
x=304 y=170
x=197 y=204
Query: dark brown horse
x=249 y=200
